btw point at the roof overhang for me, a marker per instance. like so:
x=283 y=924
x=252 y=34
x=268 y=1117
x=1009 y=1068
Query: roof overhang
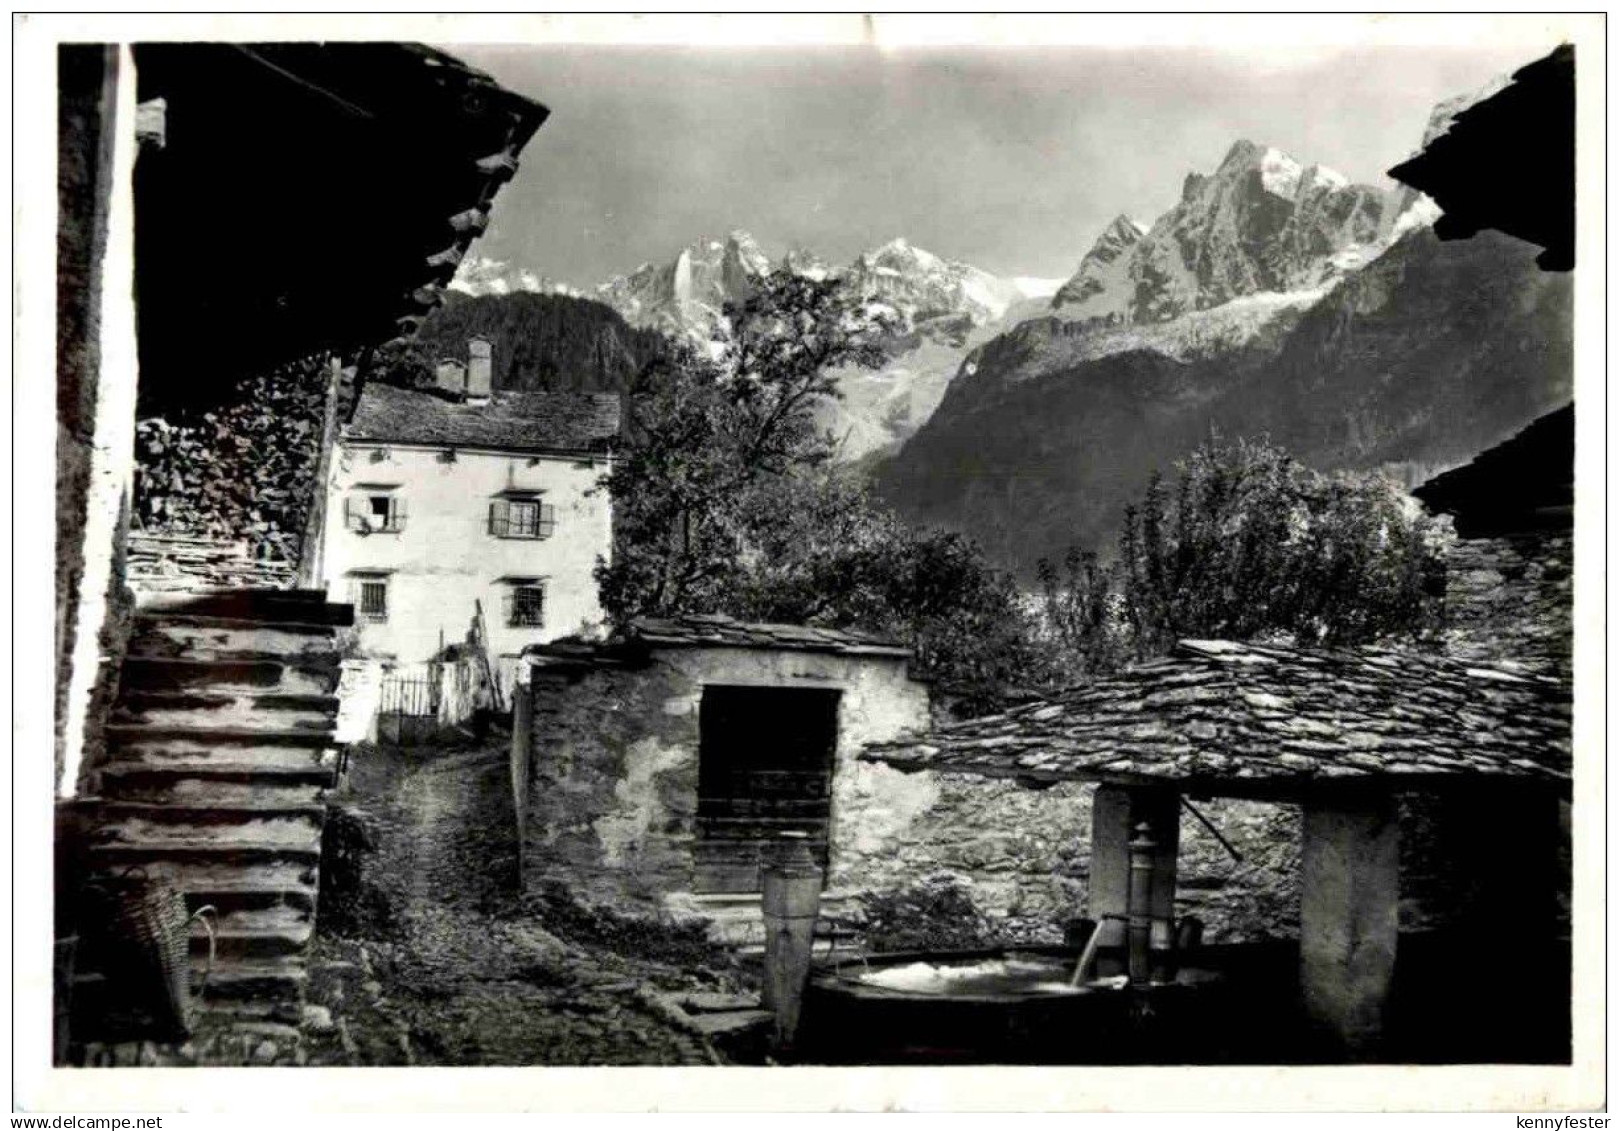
x=1220 y=719
x=308 y=197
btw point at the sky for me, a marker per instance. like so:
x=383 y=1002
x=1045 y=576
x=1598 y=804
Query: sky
x=1011 y=159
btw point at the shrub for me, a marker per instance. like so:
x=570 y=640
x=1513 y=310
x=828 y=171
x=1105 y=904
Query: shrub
x=349 y=904
x=1253 y=545
x=936 y=912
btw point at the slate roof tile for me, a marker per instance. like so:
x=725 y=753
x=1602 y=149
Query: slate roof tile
x=1215 y=711
x=509 y=421
x=716 y=631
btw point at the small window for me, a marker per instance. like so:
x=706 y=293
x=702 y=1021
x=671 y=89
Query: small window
x=373 y=599
x=374 y=513
x=521 y=518
x=525 y=606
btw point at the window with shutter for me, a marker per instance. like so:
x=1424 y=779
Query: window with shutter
x=375 y=513
x=521 y=518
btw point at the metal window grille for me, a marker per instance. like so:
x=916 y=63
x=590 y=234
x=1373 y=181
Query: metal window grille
x=525 y=606
x=521 y=518
x=374 y=600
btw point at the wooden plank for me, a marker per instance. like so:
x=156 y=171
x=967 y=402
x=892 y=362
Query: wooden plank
x=759 y=807
x=760 y=828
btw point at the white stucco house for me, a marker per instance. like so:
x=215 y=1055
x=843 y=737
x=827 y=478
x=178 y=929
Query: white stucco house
x=444 y=502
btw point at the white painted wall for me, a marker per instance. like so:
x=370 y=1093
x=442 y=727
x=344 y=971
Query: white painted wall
x=359 y=692
x=112 y=460
x=444 y=558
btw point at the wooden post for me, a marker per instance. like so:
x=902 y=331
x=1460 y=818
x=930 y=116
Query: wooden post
x=790 y=901
x=1349 y=915
x=312 y=548
x=522 y=723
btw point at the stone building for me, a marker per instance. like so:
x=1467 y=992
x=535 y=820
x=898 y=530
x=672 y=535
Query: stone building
x=611 y=794
x=1510 y=588
x=1343 y=736
x=649 y=768
x=442 y=503
x=194 y=731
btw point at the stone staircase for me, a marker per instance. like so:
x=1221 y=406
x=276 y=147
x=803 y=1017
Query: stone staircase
x=219 y=754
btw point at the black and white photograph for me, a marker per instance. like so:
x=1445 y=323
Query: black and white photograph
x=819 y=544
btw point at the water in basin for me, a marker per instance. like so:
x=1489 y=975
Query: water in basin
x=1013 y=974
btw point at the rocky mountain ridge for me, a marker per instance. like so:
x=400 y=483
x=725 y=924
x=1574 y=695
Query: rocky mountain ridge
x=1261 y=223
x=942 y=309
x=1414 y=363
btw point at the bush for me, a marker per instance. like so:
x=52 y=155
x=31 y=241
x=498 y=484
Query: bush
x=1253 y=545
x=934 y=913
x=349 y=904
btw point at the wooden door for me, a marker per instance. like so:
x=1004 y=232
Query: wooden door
x=764 y=767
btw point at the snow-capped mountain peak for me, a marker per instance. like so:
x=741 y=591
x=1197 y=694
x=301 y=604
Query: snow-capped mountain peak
x=478 y=275
x=805 y=263
x=1261 y=223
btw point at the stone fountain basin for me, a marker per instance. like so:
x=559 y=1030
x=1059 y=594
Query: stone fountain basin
x=977 y=1007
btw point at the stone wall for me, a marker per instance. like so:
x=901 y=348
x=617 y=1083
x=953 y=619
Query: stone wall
x=86 y=74
x=1025 y=856
x=611 y=783
x=1512 y=599
x=607 y=799
x=613 y=763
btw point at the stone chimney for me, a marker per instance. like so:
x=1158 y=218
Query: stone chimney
x=480 y=376
x=451 y=377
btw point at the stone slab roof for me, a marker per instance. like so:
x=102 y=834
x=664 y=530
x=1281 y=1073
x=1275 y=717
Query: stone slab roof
x=517 y=422
x=715 y=631
x=1229 y=719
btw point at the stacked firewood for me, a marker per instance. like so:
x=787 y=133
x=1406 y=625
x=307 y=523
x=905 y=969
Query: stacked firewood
x=241 y=470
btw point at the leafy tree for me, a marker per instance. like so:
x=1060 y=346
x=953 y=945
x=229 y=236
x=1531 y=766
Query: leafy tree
x=1254 y=544
x=405 y=363
x=716 y=427
x=1082 y=614
x=824 y=553
x=727 y=501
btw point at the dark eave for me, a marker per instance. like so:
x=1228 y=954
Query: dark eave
x=1524 y=485
x=307 y=197
x=1507 y=163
